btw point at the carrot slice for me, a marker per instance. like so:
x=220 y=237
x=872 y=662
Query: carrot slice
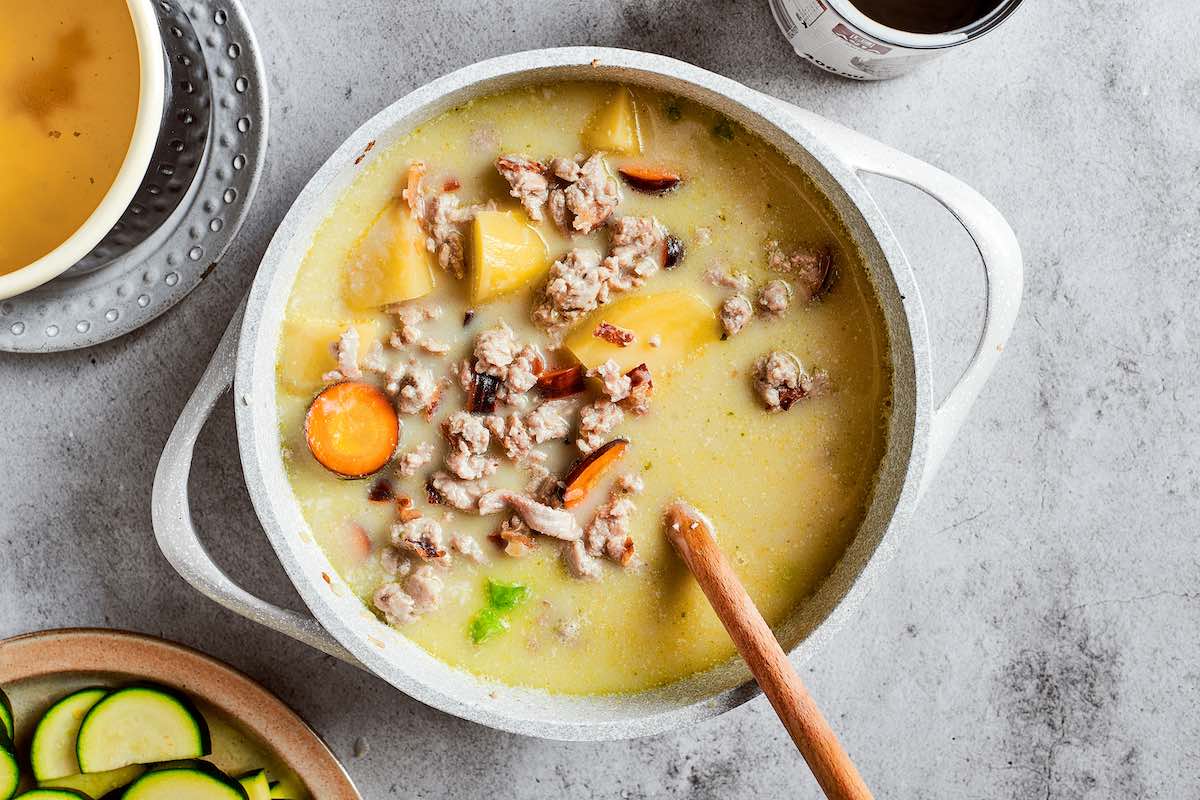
x=352 y=429
x=648 y=179
x=556 y=383
x=587 y=471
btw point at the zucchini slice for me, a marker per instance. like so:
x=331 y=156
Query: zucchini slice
x=255 y=785
x=96 y=784
x=52 y=794
x=141 y=725
x=6 y=717
x=52 y=749
x=10 y=770
x=185 y=783
x=284 y=790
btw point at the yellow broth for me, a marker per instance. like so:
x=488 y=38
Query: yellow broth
x=69 y=85
x=787 y=491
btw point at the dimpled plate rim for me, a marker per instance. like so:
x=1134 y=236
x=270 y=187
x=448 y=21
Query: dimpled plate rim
x=77 y=312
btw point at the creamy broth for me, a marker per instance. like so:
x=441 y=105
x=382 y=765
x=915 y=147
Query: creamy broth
x=69 y=84
x=787 y=491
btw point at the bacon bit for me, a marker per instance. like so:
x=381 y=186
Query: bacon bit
x=433 y=495
x=587 y=471
x=626 y=554
x=423 y=548
x=381 y=492
x=432 y=408
x=641 y=388
x=416 y=173
x=482 y=399
x=790 y=396
x=672 y=251
x=467 y=317
x=451 y=185
x=651 y=180
x=538 y=366
x=405 y=511
x=510 y=538
x=564 y=382
x=613 y=334
x=325 y=577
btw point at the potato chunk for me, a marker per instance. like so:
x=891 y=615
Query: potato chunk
x=679 y=323
x=389 y=263
x=306 y=349
x=614 y=128
x=506 y=254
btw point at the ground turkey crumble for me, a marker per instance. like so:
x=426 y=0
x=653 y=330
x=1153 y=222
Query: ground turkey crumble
x=608 y=534
x=596 y=421
x=468 y=439
x=527 y=182
x=410 y=462
x=580 y=282
x=780 y=380
x=345 y=351
x=456 y=492
x=775 y=296
x=441 y=218
x=615 y=384
x=589 y=196
x=811 y=267
x=419 y=595
x=736 y=311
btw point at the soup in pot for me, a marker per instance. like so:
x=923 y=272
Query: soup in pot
x=534 y=321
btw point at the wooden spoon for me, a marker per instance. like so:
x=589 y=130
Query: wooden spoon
x=691 y=534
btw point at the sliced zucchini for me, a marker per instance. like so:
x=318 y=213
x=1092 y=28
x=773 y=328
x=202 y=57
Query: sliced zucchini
x=6 y=717
x=255 y=785
x=285 y=790
x=52 y=750
x=52 y=794
x=185 y=783
x=141 y=725
x=10 y=770
x=96 y=784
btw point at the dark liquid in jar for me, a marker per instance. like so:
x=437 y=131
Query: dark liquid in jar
x=926 y=16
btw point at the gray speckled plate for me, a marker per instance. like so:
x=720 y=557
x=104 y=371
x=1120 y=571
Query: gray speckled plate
x=93 y=303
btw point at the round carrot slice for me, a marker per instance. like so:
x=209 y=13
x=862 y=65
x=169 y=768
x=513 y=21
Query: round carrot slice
x=352 y=429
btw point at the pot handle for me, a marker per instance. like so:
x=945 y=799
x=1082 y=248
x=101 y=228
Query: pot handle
x=172 y=517
x=997 y=246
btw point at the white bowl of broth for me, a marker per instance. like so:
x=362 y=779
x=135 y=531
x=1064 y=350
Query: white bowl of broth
x=809 y=502
x=81 y=103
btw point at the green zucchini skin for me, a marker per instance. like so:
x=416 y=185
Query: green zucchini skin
x=6 y=716
x=52 y=748
x=195 y=783
x=255 y=785
x=10 y=770
x=114 y=732
x=52 y=794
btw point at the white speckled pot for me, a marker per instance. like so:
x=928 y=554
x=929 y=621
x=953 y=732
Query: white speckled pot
x=920 y=434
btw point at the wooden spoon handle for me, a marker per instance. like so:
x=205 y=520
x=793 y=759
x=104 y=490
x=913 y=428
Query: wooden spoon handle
x=690 y=533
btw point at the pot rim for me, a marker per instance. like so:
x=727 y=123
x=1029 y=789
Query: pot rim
x=389 y=653
x=146 y=126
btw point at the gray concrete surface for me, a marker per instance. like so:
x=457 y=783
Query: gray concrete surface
x=1038 y=635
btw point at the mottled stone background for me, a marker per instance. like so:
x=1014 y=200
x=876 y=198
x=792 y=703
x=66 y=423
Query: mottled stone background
x=1036 y=637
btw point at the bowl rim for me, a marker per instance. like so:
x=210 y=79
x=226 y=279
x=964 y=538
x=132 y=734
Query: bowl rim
x=147 y=123
x=385 y=651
